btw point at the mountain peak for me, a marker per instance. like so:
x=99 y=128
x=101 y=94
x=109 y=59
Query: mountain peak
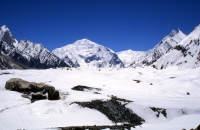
x=84 y=41
x=180 y=31
x=186 y=57
x=86 y=53
x=173 y=32
x=4 y=28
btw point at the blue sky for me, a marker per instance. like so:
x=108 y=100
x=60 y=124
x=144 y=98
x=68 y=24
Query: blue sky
x=118 y=24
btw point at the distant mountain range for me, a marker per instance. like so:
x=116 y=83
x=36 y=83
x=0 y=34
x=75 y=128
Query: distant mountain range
x=151 y=56
x=175 y=49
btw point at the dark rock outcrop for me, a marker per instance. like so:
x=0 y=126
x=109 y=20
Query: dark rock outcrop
x=114 y=110
x=53 y=95
x=96 y=127
x=19 y=85
x=83 y=88
x=38 y=96
x=36 y=91
x=198 y=127
x=182 y=49
x=7 y=62
x=137 y=81
x=159 y=111
x=47 y=89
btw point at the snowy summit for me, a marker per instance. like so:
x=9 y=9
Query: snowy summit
x=85 y=53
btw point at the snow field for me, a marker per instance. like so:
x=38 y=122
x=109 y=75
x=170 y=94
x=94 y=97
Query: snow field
x=168 y=90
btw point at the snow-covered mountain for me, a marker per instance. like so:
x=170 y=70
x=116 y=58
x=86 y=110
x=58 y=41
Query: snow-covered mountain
x=161 y=48
x=6 y=62
x=85 y=53
x=186 y=54
x=26 y=52
x=130 y=57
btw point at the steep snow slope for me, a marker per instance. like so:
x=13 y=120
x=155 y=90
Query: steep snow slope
x=130 y=57
x=186 y=54
x=27 y=53
x=85 y=53
x=168 y=91
x=160 y=49
x=38 y=56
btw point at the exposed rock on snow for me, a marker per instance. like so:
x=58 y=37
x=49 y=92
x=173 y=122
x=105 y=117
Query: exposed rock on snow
x=114 y=110
x=121 y=100
x=85 y=88
x=5 y=73
x=37 y=96
x=159 y=111
x=97 y=127
x=198 y=127
x=22 y=86
x=137 y=81
x=19 y=85
x=53 y=95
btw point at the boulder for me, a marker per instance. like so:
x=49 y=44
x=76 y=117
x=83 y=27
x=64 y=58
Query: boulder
x=34 y=87
x=40 y=86
x=38 y=96
x=53 y=95
x=22 y=86
x=198 y=127
x=19 y=85
x=48 y=89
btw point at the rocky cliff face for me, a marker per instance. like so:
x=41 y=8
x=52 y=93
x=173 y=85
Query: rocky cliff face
x=6 y=62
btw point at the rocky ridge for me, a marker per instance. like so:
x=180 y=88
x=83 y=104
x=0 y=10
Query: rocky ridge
x=25 y=54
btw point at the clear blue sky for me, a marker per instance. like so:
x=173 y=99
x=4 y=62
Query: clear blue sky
x=117 y=24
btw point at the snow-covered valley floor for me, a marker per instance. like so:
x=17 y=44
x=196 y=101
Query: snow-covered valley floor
x=165 y=89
